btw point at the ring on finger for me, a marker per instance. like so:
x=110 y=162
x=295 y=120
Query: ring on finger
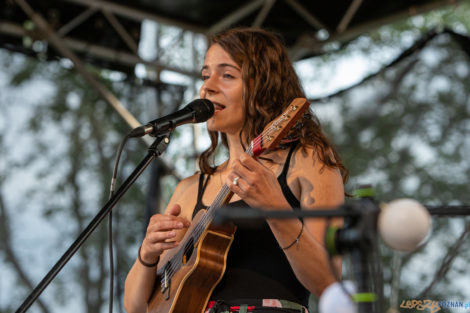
x=235 y=181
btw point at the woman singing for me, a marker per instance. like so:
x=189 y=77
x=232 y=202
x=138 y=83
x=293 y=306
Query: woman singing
x=271 y=267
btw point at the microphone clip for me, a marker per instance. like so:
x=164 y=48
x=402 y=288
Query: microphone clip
x=160 y=144
x=359 y=231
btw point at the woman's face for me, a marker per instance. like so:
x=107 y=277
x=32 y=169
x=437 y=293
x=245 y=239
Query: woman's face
x=223 y=85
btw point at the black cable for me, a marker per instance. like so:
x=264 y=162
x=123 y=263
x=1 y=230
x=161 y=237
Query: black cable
x=111 y=261
x=110 y=225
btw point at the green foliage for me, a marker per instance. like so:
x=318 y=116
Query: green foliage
x=76 y=135
x=406 y=132
x=25 y=74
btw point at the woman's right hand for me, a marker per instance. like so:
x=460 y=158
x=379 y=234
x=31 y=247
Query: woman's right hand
x=161 y=233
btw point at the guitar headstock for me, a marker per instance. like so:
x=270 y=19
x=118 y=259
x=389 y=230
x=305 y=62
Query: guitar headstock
x=276 y=130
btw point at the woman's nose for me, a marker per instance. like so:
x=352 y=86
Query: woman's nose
x=210 y=85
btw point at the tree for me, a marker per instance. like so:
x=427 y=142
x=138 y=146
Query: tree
x=405 y=131
x=75 y=136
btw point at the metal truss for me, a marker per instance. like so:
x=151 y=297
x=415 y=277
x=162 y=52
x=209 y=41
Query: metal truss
x=308 y=42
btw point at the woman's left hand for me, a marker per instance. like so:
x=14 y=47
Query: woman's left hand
x=256 y=184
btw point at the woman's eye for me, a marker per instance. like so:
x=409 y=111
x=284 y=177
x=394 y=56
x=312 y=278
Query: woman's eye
x=228 y=76
x=205 y=77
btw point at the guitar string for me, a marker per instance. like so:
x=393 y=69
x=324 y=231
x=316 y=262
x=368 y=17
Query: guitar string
x=174 y=262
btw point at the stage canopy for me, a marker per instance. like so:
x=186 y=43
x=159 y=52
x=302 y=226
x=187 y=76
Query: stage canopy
x=107 y=33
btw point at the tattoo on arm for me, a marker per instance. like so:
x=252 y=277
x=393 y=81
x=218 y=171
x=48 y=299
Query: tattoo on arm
x=307 y=191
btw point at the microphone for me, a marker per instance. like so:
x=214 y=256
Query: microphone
x=337 y=298
x=359 y=230
x=359 y=238
x=404 y=224
x=197 y=111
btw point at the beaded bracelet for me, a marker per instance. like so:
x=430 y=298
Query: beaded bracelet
x=296 y=241
x=145 y=263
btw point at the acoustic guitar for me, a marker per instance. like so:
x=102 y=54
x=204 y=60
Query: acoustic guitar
x=187 y=276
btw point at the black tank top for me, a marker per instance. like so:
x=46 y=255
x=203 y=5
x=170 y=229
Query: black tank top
x=257 y=268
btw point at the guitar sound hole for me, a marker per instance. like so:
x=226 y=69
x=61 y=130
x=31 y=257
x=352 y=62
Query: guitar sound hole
x=188 y=250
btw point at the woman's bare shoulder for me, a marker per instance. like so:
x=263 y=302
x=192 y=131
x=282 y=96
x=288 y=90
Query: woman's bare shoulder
x=185 y=194
x=188 y=183
x=308 y=157
x=304 y=157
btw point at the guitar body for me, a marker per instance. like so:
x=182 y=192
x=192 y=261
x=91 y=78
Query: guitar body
x=191 y=286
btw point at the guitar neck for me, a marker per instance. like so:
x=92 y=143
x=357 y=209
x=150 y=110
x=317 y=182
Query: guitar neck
x=222 y=198
x=268 y=140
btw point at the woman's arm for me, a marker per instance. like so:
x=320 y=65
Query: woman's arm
x=318 y=187
x=163 y=233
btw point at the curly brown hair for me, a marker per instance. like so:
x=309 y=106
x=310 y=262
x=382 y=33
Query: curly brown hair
x=269 y=85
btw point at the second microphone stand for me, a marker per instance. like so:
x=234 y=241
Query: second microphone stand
x=358 y=237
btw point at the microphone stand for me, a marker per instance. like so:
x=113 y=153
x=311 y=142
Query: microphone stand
x=155 y=150
x=358 y=237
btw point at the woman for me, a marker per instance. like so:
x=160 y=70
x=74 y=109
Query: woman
x=248 y=77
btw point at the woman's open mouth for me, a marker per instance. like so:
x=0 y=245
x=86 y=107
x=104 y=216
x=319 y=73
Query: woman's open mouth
x=218 y=106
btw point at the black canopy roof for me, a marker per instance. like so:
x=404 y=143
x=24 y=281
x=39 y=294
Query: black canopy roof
x=107 y=32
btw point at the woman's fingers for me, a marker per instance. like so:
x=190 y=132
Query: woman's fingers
x=161 y=236
x=166 y=222
x=256 y=184
x=162 y=231
x=174 y=210
x=164 y=225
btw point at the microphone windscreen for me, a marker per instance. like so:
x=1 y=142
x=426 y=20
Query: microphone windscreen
x=404 y=224
x=203 y=109
x=335 y=299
